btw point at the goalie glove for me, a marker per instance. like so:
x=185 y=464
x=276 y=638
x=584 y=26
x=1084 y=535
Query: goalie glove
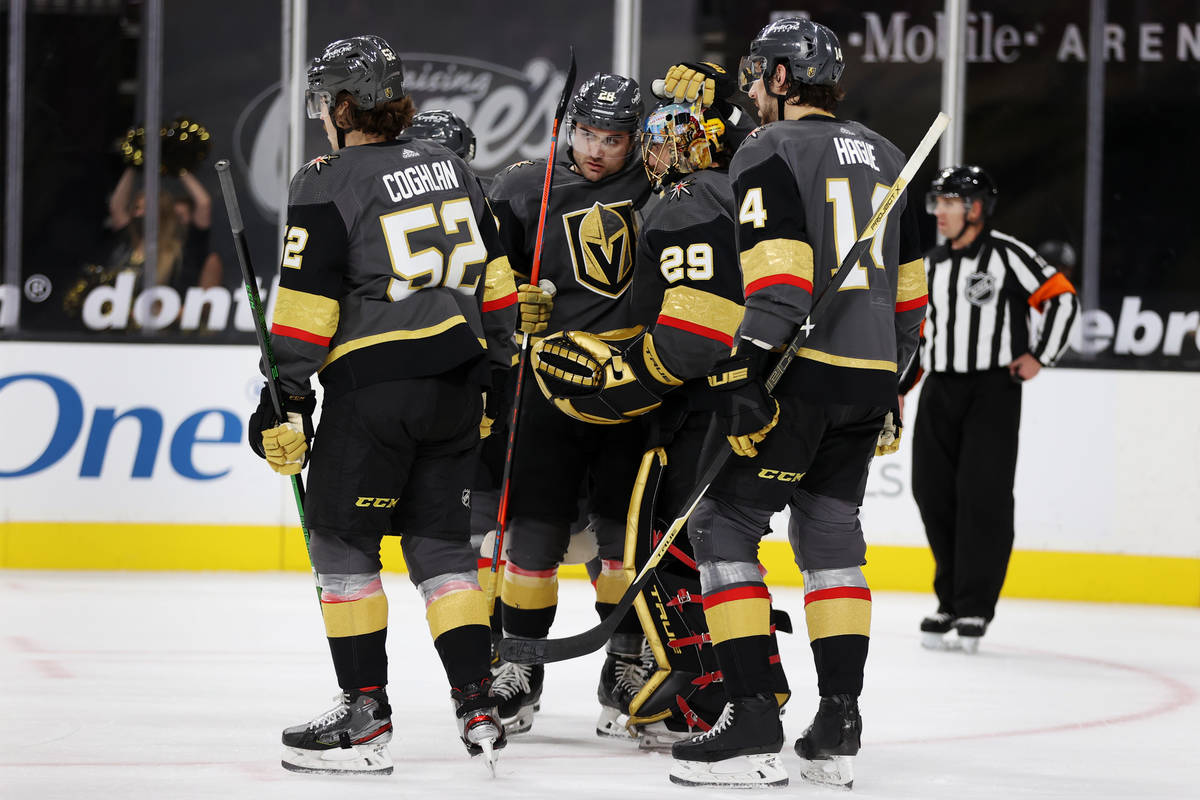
x=283 y=444
x=600 y=379
x=889 y=437
x=744 y=407
x=692 y=81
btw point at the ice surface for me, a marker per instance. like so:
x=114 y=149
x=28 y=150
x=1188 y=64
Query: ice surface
x=176 y=685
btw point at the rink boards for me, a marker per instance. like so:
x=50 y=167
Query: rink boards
x=133 y=457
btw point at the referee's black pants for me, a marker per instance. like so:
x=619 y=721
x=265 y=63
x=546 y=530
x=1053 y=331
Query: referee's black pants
x=964 y=464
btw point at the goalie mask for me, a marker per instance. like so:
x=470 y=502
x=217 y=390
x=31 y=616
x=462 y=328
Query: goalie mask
x=678 y=139
x=599 y=378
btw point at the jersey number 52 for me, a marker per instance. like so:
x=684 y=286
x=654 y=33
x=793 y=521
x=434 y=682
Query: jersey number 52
x=430 y=266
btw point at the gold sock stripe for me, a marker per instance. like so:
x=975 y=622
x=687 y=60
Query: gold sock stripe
x=355 y=617
x=456 y=609
x=736 y=618
x=840 y=616
x=529 y=591
x=611 y=586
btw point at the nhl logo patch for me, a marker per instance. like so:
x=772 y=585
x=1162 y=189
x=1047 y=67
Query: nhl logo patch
x=981 y=288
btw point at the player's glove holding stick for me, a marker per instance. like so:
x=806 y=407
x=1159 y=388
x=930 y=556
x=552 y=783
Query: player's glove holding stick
x=744 y=408
x=283 y=443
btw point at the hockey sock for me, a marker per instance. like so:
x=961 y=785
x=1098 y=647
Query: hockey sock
x=355 y=612
x=737 y=608
x=529 y=600
x=610 y=585
x=456 y=610
x=837 y=607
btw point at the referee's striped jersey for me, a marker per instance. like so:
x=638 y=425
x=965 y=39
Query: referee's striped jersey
x=980 y=302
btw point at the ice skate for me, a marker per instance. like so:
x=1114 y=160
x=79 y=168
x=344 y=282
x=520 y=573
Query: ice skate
x=517 y=689
x=741 y=751
x=622 y=677
x=350 y=738
x=830 y=743
x=479 y=722
x=970 y=630
x=659 y=737
x=934 y=629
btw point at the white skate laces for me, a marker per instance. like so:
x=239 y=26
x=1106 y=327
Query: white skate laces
x=335 y=714
x=511 y=679
x=719 y=727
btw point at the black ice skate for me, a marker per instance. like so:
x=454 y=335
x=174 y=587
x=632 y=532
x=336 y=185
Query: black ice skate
x=517 y=689
x=740 y=751
x=622 y=677
x=351 y=737
x=934 y=629
x=479 y=721
x=970 y=630
x=830 y=743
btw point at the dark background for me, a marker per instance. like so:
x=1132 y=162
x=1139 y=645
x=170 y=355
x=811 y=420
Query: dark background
x=1025 y=121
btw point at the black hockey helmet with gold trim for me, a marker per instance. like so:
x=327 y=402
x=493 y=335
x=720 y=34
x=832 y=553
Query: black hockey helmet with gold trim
x=810 y=51
x=447 y=129
x=365 y=66
x=608 y=102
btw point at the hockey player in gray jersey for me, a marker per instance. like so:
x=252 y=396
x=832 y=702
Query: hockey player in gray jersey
x=394 y=289
x=803 y=183
x=588 y=255
x=688 y=292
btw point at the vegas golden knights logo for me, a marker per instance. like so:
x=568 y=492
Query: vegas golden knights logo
x=601 y=244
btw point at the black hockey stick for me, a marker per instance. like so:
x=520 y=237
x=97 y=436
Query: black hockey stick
x=234 y=211
x=541 y=651
x=522 y=357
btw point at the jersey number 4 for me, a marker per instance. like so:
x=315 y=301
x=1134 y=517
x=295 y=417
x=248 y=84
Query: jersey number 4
x=430 y=266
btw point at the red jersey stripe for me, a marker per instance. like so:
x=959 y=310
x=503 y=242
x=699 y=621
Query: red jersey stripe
x=699 y=330
x=298 y=333
x=838 y=592
x=771 y=280
x=737 y=593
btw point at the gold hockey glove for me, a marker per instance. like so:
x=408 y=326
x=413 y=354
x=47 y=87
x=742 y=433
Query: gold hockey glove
x=535 y=304
x=704 y=80
x=744 y=407
x=283 y=444
x=889 y=437
x=602 y=378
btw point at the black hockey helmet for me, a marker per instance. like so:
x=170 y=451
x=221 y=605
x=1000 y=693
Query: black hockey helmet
x=968 y=182
x=608 y=102
x=811 y=52
x=447 y=129
x=365 y=66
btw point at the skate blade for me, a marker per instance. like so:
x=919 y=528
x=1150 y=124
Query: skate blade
x=969 y=644
x=660 y=740
x=831 y=771
x=358 y=760
x=611 y=724
x=489 y=755
x=938 y=641
x=740 y=772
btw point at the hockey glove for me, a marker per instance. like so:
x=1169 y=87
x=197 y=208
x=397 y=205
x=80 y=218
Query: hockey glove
x=535 y=304
x=745 y=409
x=704 y=80
x=284 y=446
x=889 y=437
x=496 y=403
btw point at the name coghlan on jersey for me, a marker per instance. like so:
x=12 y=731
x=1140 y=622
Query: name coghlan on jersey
x=406 y=183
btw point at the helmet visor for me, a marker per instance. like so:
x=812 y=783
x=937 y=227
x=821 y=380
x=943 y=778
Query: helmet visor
x=750 y=70
x=931 y=201
x=316 y=101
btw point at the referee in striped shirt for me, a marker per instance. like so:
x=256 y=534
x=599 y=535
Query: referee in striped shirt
x=979 y=344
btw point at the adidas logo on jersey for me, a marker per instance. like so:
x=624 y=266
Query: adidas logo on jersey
x=406 y=153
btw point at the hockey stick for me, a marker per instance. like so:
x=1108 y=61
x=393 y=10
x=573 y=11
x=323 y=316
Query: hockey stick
x=234 y=211
x=522 y=357
x=541 y=651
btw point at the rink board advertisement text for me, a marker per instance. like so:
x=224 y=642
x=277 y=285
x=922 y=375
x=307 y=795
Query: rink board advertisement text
x=134 y=457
